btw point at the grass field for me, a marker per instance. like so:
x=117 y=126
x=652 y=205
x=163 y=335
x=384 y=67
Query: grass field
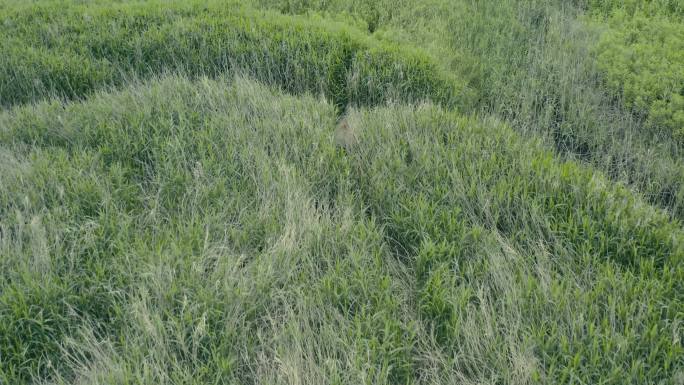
x=175 y=207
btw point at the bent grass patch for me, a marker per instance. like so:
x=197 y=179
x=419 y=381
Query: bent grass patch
x=205 y=230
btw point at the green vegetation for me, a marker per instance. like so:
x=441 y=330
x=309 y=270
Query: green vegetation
x=642 y=55
x=75 y=50
x=139 y=231
x=673 y=8
x=533 y=64
x=174 y=208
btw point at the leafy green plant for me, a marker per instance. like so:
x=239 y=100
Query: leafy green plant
x=642 y=57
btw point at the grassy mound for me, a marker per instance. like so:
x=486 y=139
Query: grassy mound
x=533 y=64
x=530 y=64
x=69 y=50
x=203 y=231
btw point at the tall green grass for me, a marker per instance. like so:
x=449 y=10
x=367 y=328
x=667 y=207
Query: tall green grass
x=534 y=64
x=166 y=219
x=642 y=56
x=69 y=50
x=209 y=231
x=476 y=212
x=648 y=7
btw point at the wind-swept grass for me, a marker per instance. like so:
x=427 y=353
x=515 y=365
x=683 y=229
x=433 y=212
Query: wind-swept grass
x=69 y=50
x=176 y=205
x=209 y=231
x=477 y=212
x=534 y=64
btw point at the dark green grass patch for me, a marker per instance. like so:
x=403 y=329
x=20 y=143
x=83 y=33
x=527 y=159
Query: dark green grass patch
x=69 y=50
